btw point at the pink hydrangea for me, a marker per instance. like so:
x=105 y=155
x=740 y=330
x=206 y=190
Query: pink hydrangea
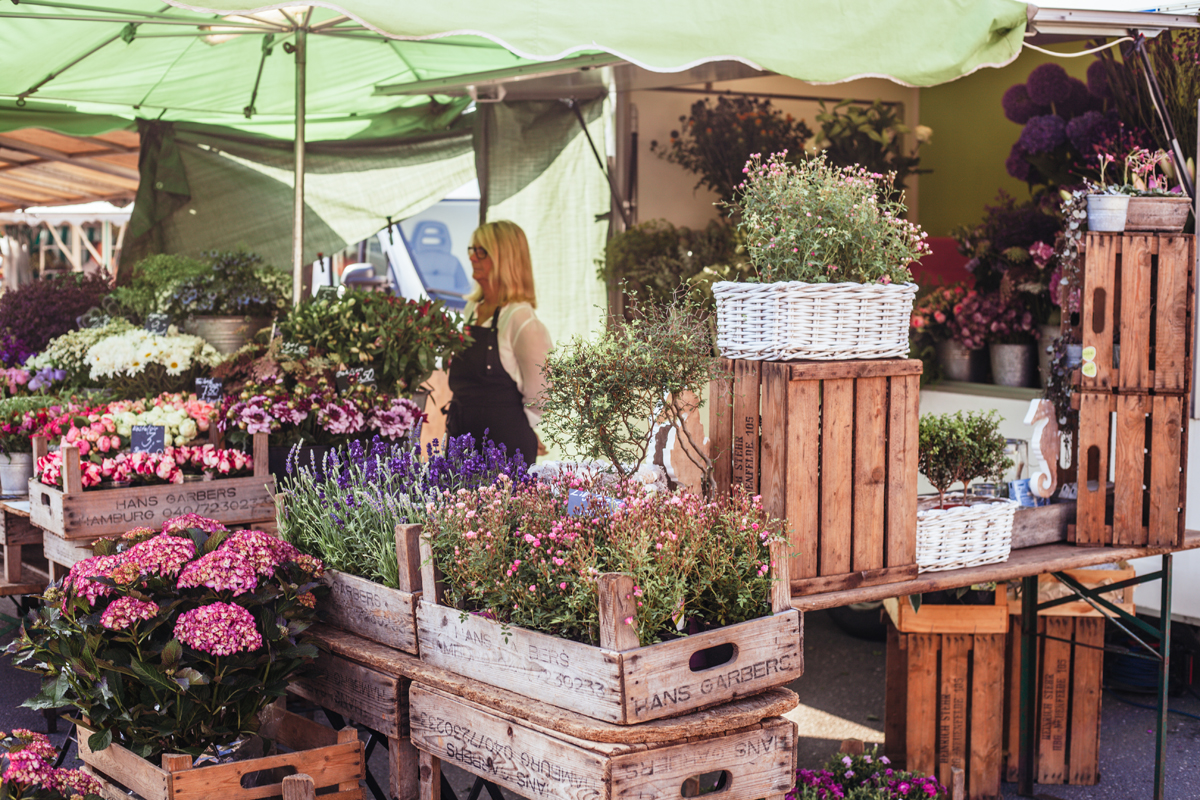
x=219 y=629
x=36 y=743
x=74 y=783
x=163 y=555
x=79 y=581
x=264 y=551
x=125 y=611
x=181 y=524
x=310 y=564
x=28 y=768
x=222 y=570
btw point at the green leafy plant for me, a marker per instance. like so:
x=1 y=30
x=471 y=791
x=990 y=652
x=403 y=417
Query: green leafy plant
x=812 y=222
x=235 y=283
x=715 y=141
x=148 y=280
x=603 y=396
x=851 y=134
x=960 y=448
x=174 y=641
x=403 y=339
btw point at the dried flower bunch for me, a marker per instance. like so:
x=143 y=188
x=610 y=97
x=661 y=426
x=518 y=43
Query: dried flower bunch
x=513 y=553
x=811 y=222
x=30 y=774
x=174 y=640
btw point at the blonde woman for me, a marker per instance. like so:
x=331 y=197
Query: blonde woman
x=497 y=381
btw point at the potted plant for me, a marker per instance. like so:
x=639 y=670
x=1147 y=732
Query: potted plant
x=230 y=301
x=1154 y=206
x=1006 y=328
x=40 y=311
x=173 y=641
x=958 y=530
x=1108 y=204
x=831 y=252
x=933 y=318
x=31 y=771
x=20 y=419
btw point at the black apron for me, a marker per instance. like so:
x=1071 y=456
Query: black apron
x=487 y=402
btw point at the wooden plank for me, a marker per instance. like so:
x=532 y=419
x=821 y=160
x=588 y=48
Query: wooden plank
x=921 y=711
x=62 y=552
x=1083 y=757
x=953 y=697
x=408 y=557
x=16 y=528
x=618 y=608
x=1171 y=313
x=989 y=619
x=720 y=428
x=328 y=766
x=431 y=777
x=404 y=767
x=1093 y=468
x=839 y=370
x=370 y=609
x=116 y=762
x=1134 y=374
x=781 y=590
x=1012 y=711
x=804 y=477
x=299 y=787
x=558 y=671
x=363 y=695
x=1055 y=689
x=895 y=695
x=837 y=476
x=852 y=581
x=746 y=376
x=1099 y=295
x=1165 y=463
x=870 y=471
x=1129 y=464
x=773 y=450
x=758 y=763
x=71 y=476
x=987 y=715
x=509 y=754
x=659 y=681
x=12 y=563
x=1042 y=525
x=903 y=416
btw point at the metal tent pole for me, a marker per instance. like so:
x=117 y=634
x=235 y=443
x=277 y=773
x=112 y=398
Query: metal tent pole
x=298 y=199
x=1027 y=733
x=1164 y=680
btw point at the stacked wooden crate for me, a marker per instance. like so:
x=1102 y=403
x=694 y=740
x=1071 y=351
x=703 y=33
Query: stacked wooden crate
x=832 y=448
x=1133 y=389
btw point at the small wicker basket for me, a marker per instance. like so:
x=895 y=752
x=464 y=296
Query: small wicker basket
x=792 y=320
x=964 y=536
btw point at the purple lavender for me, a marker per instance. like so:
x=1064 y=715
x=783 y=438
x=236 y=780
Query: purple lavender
x=1048 y=83
x=1043 y=134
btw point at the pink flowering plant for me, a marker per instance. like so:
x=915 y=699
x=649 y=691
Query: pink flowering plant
x=169 y=466
x=512 y=553
x=933 y=314
x=30 y=774
x=174 y=640
x=870 y=776
x=992 y=318
x=809 y=221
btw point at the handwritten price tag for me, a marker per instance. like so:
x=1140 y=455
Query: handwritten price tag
x=346 y=378
x=148 y=439
x=158 y=323
x=209 y=389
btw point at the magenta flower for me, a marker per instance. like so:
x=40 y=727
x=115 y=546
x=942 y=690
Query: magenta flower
x=78 y=580
x=163 y=555
x=262 y=551
x=222 y=570
x=219 y=629
x=125 y=611
x=181 y=524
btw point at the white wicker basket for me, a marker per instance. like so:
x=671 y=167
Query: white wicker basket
x=827 y=321
x=966 y=536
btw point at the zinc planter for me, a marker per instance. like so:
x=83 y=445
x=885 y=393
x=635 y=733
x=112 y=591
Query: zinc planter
x=960 y=363
x=1106 y=213
x=792 y=320
x=226 y=334
x=15 y=471
x=1012 y=364
x=1167 y=214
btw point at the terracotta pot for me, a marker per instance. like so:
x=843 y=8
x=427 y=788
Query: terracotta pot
x=1167 y=214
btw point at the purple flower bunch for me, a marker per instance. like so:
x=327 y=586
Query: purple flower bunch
x=197 y=623
x=993 y=318
x=43 y=310
x=13 y=352
x=869 y=776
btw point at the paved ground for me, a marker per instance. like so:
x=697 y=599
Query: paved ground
x=842 y=696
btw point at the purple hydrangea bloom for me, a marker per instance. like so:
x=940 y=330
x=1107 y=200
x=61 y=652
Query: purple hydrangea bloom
x=1097 y=80
x=1079 y=101
x=1018 y=107
x=1043 y=134
x=1016 y=164
x=1049 y=83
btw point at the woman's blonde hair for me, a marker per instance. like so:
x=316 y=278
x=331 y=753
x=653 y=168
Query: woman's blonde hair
x=512 y=271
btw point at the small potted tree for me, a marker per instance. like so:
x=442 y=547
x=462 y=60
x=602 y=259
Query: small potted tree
x=959 y=530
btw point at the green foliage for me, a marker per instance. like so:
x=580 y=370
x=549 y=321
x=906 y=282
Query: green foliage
x=235 y=283
x=657 y=261
x=150 y=278
x=403 y=339
x=603 y=396
x=960 y=448
x=871 y=136
x=715 y=142
x=812 y=222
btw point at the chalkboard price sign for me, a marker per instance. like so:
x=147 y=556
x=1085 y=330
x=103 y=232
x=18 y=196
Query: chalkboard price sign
x=209 y=389
x=148 y=439
x=94 y=318
x=293 y=349
x=354 y=375
x=327 y=293
x=158 y=323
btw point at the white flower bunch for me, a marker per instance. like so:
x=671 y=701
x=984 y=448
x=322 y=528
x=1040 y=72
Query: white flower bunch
x=129 y=353
x=180 y=428
x=70 y=350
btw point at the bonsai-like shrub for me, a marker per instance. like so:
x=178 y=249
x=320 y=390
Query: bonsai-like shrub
x=151 y=282
x=43 y=310
x=960 y=448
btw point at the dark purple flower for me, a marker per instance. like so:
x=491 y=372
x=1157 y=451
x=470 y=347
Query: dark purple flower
x=48 y=308
x=1043 y=134
x=1018 y=107
x=1097 y=80
x=1090 y=130
x=1078 y=101
x=1048 y=83
x=1016 y=164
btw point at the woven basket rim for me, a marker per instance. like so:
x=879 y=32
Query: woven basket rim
x=839 y=284
x=977 y=502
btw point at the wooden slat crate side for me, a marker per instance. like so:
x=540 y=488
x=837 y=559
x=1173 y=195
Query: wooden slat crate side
x=1099 y=296
x=746 y=420
x=870 y=368
x=870 y=472
x=978 y=619
x=720 y=428
x=658 y=679
x=1012 y=707
x=896 y=698
x=760 y=762
x=557 y=671
x=837 y=476
x=62 y=552
x=987 y=716
x=803 y=477
x=773 y=452
x=1172 y=317
x=362 y=695
x=1042 y=524
x=1083 y=756
x=1054 y=697
x=903 y=418
x=371 y=610
x=1090 y=523
x=17 y=529
x=120 y=764
x=1167 y=491
x=1129 y=463
x=922 y=706
x=953 y=697
x=1134 y=374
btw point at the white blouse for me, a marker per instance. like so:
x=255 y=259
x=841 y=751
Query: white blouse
x=524 y=344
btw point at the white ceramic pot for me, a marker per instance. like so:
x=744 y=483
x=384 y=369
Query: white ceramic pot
x=15 y=471
x=1106 y=212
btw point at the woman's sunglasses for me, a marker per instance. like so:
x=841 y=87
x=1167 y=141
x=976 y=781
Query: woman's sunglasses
x=477 y=252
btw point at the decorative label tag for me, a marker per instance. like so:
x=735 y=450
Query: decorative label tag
x=148 y=439
x=1089 y=361
x=93 y=318
x=158 y=323
x=293 y=350
x=327 y=293
x=209 y=389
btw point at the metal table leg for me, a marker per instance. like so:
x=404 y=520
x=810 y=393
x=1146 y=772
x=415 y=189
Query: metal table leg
x=1164 y=679
x=1027 y=733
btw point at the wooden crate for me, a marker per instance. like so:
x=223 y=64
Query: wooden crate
x=944 y=706
x=1137 y=291
x=931 y=618
x=1042 y=524
x=22 y=546
x=832 y=448
x=73 y=513
x=1149 y=468
x=619 y=680
x=370 y=697
x=334 y=760
x=1070 y=669
x=758 y=761
x=62 y=554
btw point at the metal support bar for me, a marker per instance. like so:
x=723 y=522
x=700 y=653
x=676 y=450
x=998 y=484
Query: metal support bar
x=1027 y=735
x=1092 y=597
x=1164 y=675
x=612 y=187
x=298 y=195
